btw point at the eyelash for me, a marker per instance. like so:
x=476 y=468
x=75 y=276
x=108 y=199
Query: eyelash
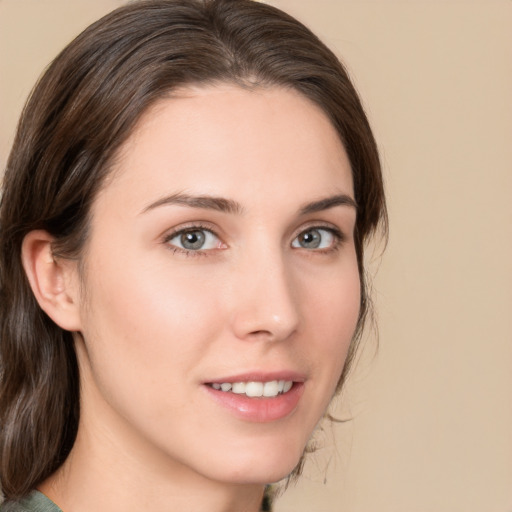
x=183 y=231
x=339 y=239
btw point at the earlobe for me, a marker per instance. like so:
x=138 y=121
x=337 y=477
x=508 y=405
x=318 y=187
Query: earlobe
x=54 y=282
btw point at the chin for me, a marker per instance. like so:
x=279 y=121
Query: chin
x=261 y=466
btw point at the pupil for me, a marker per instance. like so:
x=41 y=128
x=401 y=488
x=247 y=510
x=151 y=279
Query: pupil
x=193 y=240
x=311 y=239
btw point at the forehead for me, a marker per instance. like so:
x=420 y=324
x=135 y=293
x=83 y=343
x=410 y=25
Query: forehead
x=228 y=140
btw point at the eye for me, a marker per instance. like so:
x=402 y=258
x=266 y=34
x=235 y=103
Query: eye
x=194 y=239
x=316 y=238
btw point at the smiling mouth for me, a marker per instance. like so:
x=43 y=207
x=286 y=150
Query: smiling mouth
x=255 y=389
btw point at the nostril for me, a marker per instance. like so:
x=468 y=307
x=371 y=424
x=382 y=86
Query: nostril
x=262 y=333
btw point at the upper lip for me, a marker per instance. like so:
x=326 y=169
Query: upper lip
x=259 y=376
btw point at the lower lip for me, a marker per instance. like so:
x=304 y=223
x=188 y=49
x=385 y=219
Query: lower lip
x=259 y=409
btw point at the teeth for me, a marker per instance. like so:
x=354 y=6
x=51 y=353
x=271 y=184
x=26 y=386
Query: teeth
x=271 y=388
x=238 y=388
x=255 y=389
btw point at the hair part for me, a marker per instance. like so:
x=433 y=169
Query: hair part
x=82 y=110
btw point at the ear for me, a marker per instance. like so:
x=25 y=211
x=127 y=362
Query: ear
x=54 y=282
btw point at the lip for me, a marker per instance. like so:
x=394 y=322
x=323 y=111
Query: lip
x=258 y=376
x=258 y=409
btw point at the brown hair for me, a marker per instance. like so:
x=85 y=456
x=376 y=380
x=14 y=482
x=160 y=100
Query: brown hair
x=79 y=114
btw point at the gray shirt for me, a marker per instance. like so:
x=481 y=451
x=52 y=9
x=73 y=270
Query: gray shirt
x=33 y=502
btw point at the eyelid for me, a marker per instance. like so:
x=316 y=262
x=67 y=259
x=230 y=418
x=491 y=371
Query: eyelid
x=336 y=231
x=187 y=228
x=329 y=226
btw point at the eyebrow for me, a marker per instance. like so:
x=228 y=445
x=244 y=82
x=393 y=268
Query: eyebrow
x=221 y=204
x=328 y=202
x=205 y=202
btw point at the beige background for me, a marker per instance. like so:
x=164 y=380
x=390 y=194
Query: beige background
x=432 y=411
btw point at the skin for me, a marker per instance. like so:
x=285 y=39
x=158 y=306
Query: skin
x=154 y=323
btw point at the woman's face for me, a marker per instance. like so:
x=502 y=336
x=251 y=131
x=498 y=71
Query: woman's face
x=220 y=267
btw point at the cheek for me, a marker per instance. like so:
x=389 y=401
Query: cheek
x=335 y=295
x=136 y=296
x=333 y=311
x=150 y=328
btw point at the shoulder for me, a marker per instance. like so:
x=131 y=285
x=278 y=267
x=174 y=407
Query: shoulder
x=12 y=506
x=33 y=502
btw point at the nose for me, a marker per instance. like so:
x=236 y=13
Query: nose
x=265 y=299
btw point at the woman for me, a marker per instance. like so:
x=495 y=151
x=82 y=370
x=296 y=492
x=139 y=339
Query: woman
x=183 y=220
